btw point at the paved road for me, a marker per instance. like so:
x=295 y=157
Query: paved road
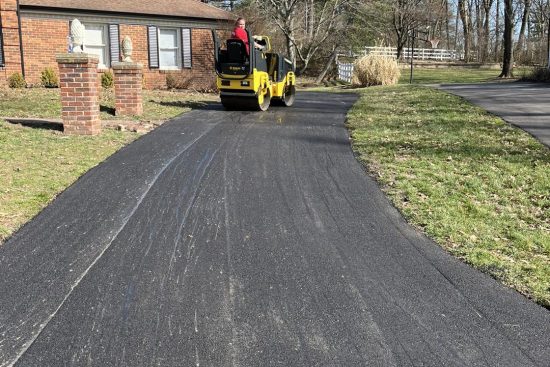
x=525 y=105
x=248 y=239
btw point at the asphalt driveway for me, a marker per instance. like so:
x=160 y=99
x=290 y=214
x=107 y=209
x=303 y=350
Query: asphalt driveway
x=248 y=239
x=525 y=105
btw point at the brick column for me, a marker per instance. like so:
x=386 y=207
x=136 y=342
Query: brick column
x=79 y=93
x=128 y=85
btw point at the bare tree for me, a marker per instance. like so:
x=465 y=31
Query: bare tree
x=507 y=58
x=487 y=5
x=405 y=19
x=463 y=8
x=307 y=25
x=497 y=31
x=524 y=21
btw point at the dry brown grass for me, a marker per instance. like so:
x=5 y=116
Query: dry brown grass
x=375 y=70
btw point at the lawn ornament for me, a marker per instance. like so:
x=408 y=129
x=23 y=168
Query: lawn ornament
x=77 y=35
x=127 y=49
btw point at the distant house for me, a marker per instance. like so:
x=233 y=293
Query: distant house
x=170 y=37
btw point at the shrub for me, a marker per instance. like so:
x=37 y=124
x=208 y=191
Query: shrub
x=178 y=81
x=538 y=75
x=49 y=78
x=170 y=81
x=375 y=70
x=107 y=79
x=16 y=80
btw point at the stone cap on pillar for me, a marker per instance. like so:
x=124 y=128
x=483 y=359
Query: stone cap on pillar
x=76 y=58
x=126 y=65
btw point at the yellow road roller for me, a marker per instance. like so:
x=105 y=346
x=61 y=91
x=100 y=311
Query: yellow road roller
x=252 y=80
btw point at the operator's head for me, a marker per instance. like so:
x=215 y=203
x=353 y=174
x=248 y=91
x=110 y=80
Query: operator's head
x=240 y=23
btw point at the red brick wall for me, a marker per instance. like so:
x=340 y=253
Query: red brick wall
x=200 y=76
x=44 y=38
x=10 y=32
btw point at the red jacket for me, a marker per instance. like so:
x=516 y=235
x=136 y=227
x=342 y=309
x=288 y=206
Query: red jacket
x=242 y=35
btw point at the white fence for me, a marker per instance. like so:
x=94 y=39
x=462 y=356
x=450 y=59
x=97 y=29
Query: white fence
x=345 y=71
x=437 y=54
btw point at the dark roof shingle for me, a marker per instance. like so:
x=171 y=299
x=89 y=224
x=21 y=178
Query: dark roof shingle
x=177 y=8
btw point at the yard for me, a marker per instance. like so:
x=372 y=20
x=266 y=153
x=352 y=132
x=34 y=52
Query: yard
x=476 y=185
x=37 y=161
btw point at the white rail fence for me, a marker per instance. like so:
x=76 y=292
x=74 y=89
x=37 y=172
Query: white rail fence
x=437 y=54
x=345 y=70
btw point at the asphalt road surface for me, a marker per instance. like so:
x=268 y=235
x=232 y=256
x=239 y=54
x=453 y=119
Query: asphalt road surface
x=248 y=239
x=525 y=105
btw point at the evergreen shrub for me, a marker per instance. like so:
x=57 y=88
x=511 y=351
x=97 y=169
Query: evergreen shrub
x=16 y=80
x=49 y=78
x=107 y=79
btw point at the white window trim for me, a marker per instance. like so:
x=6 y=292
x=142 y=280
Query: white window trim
x=105 y=45
x=178 y=49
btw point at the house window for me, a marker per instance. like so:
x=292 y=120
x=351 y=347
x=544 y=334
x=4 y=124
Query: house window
x=96 y=42
x=169 y=48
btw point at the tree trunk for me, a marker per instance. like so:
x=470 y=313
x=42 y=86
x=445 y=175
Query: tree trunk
x=497 y=31
x=524 y=21
x=548 y=41
x=401 y=41
x=290 y=47
x=456 y=29
x=447 y=21
x=507 y=58
x=487 y=5
x=466 y=26
x=328 y=65
x=479 y=31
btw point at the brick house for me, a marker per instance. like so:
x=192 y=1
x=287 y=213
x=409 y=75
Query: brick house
x=170 y=37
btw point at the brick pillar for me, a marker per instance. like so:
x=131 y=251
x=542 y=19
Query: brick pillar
x=128 y=85
x=79 y=93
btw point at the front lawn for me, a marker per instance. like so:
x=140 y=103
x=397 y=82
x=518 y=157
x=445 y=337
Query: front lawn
x=158 y=105
x=455 y=75
x=473 y=183
x=38 y=163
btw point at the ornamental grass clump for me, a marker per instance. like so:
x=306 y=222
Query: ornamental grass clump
x=375 y=70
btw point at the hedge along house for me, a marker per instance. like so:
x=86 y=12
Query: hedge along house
x=170 y=37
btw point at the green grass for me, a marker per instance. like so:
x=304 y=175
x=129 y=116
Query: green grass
x=37 y=164
x=476 y=185
x=158 y=105
x=454 y=75
x=443 y=76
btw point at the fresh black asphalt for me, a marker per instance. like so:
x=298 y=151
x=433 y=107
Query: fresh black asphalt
x=525 y=105
x=248 y=239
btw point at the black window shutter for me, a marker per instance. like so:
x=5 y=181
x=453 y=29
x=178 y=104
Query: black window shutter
x=114 y=43
x=186 y=47
x=153 y=47
x=1 y=48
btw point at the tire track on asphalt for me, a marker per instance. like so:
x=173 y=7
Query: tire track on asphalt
x=27 y=345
